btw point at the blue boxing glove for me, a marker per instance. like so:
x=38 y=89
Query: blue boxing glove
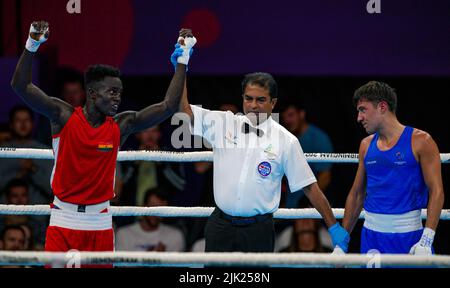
x=178 y=52
x=339 y=237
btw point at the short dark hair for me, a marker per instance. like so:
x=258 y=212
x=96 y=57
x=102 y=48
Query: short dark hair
x=376 y=92
x=96 y=73
x=18 y=108
x=296 y=103
x=160 y=192
x=261 y=79
x=15 y=182
x=12 y=227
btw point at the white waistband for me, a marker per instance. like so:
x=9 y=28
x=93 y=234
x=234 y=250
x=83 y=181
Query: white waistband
x=394 y=223
x=67 y=216
x=95 y=208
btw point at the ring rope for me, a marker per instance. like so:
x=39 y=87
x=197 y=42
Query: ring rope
x=186 y=259
x=171 y=211
x=32 y=258
x=168 y=156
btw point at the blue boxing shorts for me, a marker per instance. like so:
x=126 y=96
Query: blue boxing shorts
x=391 y=233
x=390 y=243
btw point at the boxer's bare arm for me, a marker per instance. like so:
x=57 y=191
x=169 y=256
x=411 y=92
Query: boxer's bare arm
x=355 y=199
x=132 y=122
x=53 y=108
x=429 y=158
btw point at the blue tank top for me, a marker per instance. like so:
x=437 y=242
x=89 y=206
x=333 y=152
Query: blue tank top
x=395 y=183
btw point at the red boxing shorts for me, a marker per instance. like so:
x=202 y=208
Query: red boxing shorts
x=80 y=227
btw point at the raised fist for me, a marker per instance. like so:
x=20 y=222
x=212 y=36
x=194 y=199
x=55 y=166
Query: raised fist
x=39 y=31
x=183 y=34
x=186 y=41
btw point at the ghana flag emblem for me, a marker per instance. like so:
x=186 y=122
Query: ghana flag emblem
x=105 y=147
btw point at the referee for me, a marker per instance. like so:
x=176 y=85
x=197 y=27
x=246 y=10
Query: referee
x=252 y=152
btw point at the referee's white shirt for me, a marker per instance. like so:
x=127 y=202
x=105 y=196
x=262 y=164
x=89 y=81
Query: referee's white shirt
x=248 y=169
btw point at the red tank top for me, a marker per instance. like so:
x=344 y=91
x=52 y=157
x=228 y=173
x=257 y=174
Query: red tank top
x=85 y=160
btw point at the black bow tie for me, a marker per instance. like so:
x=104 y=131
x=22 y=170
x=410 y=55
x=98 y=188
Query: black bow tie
x=246 y=128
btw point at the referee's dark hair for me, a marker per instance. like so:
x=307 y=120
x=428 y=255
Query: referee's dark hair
x=261 y=79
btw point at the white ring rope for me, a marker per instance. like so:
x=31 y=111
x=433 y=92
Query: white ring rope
x=30 y=258
x=171 y=211
x=168 y=156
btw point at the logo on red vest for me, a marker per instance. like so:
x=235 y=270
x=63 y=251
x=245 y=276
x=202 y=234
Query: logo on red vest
x=105 y=147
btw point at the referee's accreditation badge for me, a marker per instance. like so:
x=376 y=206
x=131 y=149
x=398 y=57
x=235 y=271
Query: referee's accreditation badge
x=264 y=168
x=105 y=147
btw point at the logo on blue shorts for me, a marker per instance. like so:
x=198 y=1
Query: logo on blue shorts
x=264 y=168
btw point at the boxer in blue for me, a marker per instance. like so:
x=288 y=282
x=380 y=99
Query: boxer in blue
x=399 y=173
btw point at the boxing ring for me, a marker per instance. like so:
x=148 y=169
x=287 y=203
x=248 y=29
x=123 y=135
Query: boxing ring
x=191 y=259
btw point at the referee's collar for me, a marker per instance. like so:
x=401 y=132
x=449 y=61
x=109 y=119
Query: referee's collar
x=264 y=126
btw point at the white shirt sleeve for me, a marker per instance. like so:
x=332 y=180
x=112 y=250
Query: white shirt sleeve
x=296 y=168
x=208 y=124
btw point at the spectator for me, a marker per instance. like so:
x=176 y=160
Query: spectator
x=305 y=237
x=139 y=176
x=16 y=193
x=72 y=89
x=12 y=238
x=313 y=140
x=36 y=172
x=149 y=234
x=147 y=174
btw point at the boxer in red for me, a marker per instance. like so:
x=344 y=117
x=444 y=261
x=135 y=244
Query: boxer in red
x=86 y=142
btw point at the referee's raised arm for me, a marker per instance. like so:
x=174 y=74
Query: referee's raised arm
x=185 y=107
